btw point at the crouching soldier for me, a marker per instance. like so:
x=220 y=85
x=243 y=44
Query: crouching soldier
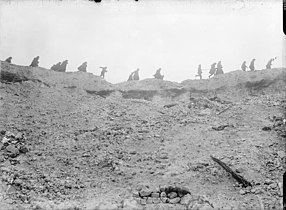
x=158 y=75
x=269 y=64
x=243 y=66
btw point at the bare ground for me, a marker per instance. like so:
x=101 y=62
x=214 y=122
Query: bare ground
x=88 y=149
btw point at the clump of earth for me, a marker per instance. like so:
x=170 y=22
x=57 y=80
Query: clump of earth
x=74 y=141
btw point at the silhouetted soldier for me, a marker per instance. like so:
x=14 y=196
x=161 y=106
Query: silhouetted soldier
x=56 y=67
x=251 y=66
x=200 y=71
x=158 y=75
x=212 y=70
x=53 y=67
x=63 y=66
x=82 y=67
x=269 y=64
x=103 y=71
x=243 y=66
x=219 y=68
x=35 y=62
x=130 y=78
x=136 y=75
x=8 y=60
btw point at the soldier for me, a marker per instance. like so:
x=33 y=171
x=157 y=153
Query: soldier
x=130 y=78
x=56 y=67
x=212 y=70
x=63 y=66
x=158 y=75
x=82 y=67
x=136 y=75
x=35 y=62
x=103 y=71
x=269 y=64
x=219 y=69
x=53 y=67
x=251 y=66
x=243 y=66
x=8 y=60
x=200 y=71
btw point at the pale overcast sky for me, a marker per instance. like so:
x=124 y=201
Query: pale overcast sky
x=175 y=35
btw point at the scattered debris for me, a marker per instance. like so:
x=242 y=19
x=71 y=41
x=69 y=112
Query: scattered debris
x=266 y=128
x=164 y=194
x=225 y=109
x=13 y=145
x=104 y=144
x=217 y=99
x=169 y=105
x=221 y=127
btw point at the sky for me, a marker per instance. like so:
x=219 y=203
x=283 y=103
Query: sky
x=175 y=35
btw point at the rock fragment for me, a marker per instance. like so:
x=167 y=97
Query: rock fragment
x=12 y=151
x=172 y=195
x=145 y=192
x=155 y=195
x=130 y=204
x=175 y=200
x=186 y=199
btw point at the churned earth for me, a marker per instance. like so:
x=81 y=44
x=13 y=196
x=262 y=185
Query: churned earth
x=74 y=141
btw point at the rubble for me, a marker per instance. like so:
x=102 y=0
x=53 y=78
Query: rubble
x=13 y=145
x=164 y=194
x=221 y=127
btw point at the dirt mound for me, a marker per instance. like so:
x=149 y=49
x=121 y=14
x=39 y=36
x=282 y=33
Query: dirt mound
x=82 y=80
x=239 y=79
x=236 y=82
x=74 y=141
x=148 y=84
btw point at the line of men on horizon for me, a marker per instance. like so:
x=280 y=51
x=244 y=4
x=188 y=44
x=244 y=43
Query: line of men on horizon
x=216 y=68
x=61 y=66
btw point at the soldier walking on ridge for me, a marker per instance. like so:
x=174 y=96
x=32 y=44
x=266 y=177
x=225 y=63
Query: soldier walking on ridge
x=243 y=66
x=212 y=70
x=269 y=64
x=8 y=60
x=130 y=78
x=136 y=75
x=35 y=62
x=103 y=71
x=63 y=66
x=200 y=71
x=82 y=67
x=251 y=66
x=56 y=67
x=219 y=68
